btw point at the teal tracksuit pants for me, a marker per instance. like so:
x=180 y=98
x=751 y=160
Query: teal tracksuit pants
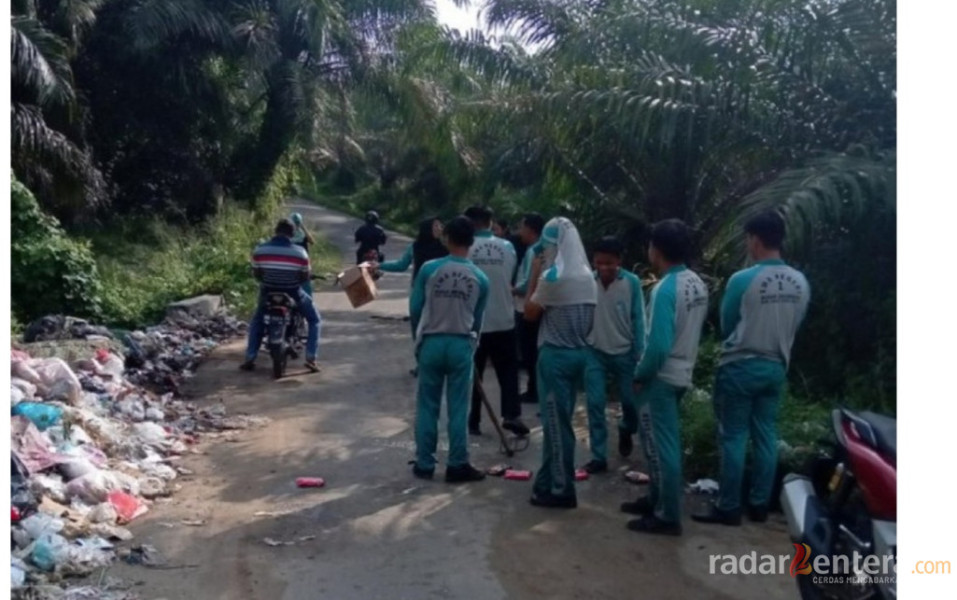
x=560 y=371
x=621 y=368
x=747 y=394
x=445 y=363
x=661 y=441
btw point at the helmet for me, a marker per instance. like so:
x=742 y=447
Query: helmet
x=296 y=218
x=372 y=217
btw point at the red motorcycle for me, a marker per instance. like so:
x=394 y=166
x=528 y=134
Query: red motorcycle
x=846 y=510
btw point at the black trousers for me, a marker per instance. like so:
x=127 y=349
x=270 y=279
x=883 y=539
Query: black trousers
x=500 y=346
x=528 y=343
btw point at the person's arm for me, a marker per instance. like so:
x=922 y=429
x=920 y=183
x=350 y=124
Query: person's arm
x=400 y=265
x=481 y=304
x=357 y=236
x=731 y=302
x=521 y=277
x=661 y=336
x=533 y=309
x=637 y=318
x=417 y=301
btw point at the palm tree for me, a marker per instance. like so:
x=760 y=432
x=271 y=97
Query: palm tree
x=49 y=154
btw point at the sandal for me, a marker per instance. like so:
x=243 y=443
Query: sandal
x=312 y=365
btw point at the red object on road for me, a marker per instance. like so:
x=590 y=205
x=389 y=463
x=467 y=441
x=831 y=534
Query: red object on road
x=310 y=482
x=127 y=507
x=518 y=475
x=581 y=474
x=14 y=514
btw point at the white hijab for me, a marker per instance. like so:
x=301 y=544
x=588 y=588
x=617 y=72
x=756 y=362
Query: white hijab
x=567 y=278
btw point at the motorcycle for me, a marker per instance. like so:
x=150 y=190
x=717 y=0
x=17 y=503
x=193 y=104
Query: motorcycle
x=845 y=508
x=285 y=329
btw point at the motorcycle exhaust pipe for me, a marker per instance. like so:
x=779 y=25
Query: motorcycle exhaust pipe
x=808 y=521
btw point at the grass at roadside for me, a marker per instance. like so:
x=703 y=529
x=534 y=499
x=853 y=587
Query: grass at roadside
x=145 y=265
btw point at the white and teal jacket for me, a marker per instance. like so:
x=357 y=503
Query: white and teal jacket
x=762 y=308
x=619 y=325
x=678 y=307
x=497 y=259
x=449 y=297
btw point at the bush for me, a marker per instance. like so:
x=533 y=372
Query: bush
x=49 y=272
x=147 y=265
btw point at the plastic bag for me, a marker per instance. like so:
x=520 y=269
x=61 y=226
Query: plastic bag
x=41 y=415
x=38 y=524
x=26 y=388
x=49 y=551
x=75 y=467
x=21 y=497
x=127 y=507
x=150 y=433
x=103 y=513
x=16 y=395
x=49 y=486
x=24 y=370
x=93 y=488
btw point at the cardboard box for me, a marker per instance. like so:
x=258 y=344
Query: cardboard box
x=358 y=284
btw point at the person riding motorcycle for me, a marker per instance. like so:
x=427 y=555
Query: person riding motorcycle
x=281 y=267
x=370 y=237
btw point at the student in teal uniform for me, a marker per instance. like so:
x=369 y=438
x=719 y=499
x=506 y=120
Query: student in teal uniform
x=617 y=340
x=761 y=311
x=562 y=294
x=448 y=303
x=678 y=307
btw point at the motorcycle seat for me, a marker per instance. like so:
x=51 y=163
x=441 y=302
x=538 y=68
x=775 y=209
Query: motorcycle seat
x=880 y=431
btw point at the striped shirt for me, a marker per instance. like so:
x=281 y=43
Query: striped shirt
x=566 y=326
x=283 y=265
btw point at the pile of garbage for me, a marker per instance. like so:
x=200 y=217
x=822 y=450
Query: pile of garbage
x=94 y=444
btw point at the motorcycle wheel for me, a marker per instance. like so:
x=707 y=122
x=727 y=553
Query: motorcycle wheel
x=278 y=360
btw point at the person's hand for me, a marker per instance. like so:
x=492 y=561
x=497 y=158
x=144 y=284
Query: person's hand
x=373 y=265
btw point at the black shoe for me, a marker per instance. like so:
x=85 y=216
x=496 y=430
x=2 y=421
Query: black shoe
x=641 y=506
x=422 y=473
x=249 y=365
x=654 y=525
x=474 y=430
x=550 y=501
x=596 y=466
x=516 y=426
x=463 y=474
x=529 y=398
x=758 y=514
x=625 y=443
x=715 y=515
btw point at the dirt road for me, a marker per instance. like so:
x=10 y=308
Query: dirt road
x=375 y=532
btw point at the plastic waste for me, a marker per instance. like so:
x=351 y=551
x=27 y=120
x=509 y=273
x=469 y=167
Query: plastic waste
x=49 y=486
x=310 y=482
x=16 y=395
x=41 y=415
x=18 y=573
x=38 y=524
x=49 y=550
x=60 y=378
x=704 y=486
x=498 y=470
x=21 y=496
x=127 y=506
x=581 y=474
x=150 y=433
x=94 y=487
x=518 y=475
x=26 y=388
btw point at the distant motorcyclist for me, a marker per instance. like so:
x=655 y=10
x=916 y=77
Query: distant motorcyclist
x=281 y=266
x=370 y=237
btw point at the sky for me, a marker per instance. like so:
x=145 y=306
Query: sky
x=462 y=19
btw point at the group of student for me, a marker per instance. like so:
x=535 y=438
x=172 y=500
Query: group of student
x=474 y=300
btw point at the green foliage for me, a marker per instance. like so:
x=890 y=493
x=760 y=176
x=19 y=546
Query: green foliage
x=50 y=272
x=147 y=264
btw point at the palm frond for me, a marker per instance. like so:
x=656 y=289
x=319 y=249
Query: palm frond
x=832 y=191
x=41 y=68
x=152 y=23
